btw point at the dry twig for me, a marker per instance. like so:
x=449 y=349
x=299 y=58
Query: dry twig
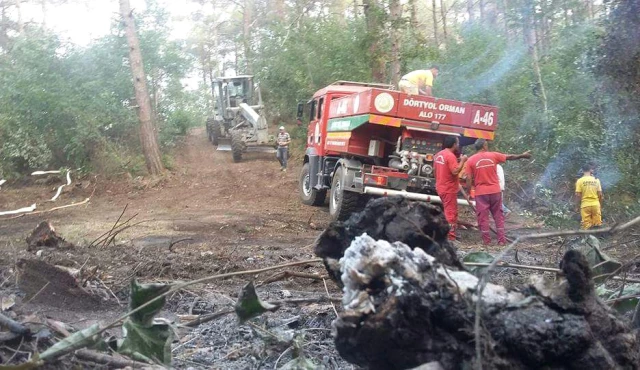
x=206 y=318
x=328 y=296
x=111 y=361
x=39 y=291
x=287 y=274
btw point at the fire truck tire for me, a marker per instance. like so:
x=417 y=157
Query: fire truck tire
x=309 y=195
x=343 y=204
x=237 y=146
x=216 y=132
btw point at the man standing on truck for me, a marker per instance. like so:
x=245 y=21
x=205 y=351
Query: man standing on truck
x=283 y=148
x=589 y=198
x=482 y=173
x=419 y=82
x=446 y=172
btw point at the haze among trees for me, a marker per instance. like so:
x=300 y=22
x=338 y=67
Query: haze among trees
x=565 y=74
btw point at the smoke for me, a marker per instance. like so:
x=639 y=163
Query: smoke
x=493 y=75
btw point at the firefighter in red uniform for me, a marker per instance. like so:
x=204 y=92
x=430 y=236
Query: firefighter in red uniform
x=482 y=174
x=447 y=169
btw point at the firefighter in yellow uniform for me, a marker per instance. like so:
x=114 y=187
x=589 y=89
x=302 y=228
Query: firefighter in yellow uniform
x=589 y=198
x=418 y=82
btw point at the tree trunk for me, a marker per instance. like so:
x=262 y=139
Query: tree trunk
x=203 y=61
x=543 y=42
x=337 y=9
x=375 y=21
x=148 y=134
x=443 y=14
x=567 y=20
x=590 y=9
x=435 y=22
x=278 y=7
x=43 y=6
x=531 y=42
x=505 y=18
x=414 y=23
x=247 y=22
x=470 y=9
x=413 y=15
x=481 y=6
x=4 y=38
x=19 y=15
x=397 y=26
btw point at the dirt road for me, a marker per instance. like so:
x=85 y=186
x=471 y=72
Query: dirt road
x=250 y=210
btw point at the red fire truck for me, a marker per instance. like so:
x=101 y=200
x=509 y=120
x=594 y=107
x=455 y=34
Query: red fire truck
x=368 y=140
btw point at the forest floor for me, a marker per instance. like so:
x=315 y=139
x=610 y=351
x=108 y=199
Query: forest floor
x=230 y=217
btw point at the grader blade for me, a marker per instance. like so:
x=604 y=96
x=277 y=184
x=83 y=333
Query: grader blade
x=224 y=145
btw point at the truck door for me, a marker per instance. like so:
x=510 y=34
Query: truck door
x=313 y=132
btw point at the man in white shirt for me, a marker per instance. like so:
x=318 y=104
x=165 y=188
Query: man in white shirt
x=500 y=172
x=284 y=139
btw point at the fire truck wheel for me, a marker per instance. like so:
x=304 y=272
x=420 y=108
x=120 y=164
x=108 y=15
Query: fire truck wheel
x=342 y=203
x=309 y=195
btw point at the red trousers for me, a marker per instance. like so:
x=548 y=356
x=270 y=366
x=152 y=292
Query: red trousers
x=450 y=205
x=490 y=203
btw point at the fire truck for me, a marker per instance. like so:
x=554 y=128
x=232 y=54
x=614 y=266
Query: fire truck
x=368 y=140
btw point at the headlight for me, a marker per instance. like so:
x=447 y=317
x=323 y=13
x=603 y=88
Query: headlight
x=427 y=169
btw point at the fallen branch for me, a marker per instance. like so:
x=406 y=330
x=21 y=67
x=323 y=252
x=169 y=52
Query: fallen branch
x=49 y=210
x=212 y=316
x=62 y=186
x=482 y=283
x=306 y=300
x=37 y=294
x=113 y=227
x=111 y=361
x=547 y=269
x=208 y=317
x=7 y=336
x=122 y=228
x=623 y=298
x=37 y=173
x=326 y=289
x=287 y=274
x=178 y=241
x=19 y=210
x=13 y=326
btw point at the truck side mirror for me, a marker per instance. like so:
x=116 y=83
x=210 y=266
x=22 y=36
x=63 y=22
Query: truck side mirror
x=300 y=111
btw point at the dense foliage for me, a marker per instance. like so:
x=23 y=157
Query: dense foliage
x=67 y=106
